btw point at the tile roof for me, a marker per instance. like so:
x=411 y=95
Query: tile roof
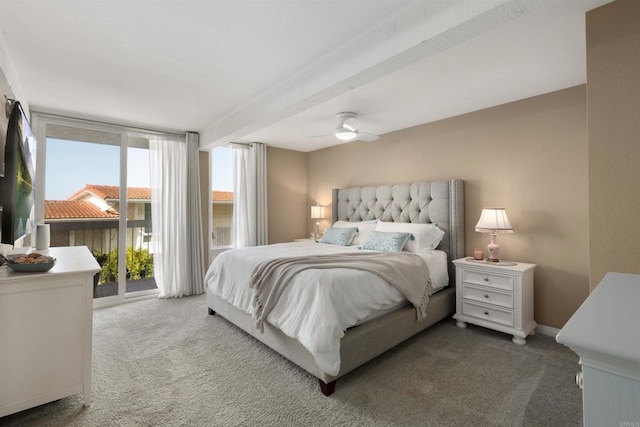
x=222 y=196
x=71 y=209
x=112 y=192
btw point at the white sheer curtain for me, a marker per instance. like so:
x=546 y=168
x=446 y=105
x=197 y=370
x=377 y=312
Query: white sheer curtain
x=175 y=216
x=250 y=194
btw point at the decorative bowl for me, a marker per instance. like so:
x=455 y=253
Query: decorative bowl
x=40 y=267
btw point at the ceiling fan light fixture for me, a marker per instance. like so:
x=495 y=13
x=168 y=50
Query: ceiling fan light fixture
x=345 y=134
x=351 y=123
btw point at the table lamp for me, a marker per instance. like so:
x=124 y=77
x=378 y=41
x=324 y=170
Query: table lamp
x=493 y=221
x=317 y=213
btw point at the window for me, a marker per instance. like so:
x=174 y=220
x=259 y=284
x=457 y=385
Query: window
x=221 y=198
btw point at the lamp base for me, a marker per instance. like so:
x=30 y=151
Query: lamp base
x=493 y=249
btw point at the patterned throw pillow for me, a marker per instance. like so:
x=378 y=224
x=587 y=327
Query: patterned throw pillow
x=339 y=236
x=364 y=228
x=386 y=241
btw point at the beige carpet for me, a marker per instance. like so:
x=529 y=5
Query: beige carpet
x=168 y=363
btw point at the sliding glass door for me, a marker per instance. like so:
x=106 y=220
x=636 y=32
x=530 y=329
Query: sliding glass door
x=81 y=195
x=97 y=194
x=139 y=233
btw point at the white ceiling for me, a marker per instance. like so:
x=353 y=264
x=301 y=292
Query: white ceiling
x=278 y=71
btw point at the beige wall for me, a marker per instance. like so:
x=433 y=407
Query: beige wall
x=613 y=70
x=287 y=194
x=528 y=156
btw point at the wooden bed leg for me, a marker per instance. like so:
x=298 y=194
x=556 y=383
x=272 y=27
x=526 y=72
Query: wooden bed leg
x=211 y=312
x=327 y=389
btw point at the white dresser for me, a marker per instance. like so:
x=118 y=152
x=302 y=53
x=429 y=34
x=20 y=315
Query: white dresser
x=496 y=296
x=46 y=322
x=605 y=332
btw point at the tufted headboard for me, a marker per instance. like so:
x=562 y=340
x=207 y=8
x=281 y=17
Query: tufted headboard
x=437 y=202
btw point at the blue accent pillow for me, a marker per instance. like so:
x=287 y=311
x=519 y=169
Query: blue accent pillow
x=386 y=241
x=339 y=236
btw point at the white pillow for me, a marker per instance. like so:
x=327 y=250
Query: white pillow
x=364 y=229
x=424 y=237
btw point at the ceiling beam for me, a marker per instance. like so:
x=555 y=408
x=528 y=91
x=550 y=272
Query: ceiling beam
x=417 y=31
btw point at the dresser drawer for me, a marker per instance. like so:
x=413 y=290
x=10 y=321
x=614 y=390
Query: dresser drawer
x=504 y=317
x=499 y=281
x=503 y=299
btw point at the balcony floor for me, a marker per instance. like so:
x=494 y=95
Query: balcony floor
x=110 y=289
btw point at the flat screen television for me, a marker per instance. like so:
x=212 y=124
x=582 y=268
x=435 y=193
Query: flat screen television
x=17 y=186
x=5 y=112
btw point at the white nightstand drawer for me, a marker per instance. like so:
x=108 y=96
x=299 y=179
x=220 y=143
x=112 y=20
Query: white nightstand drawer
x=488 y=279
x=495 y=295
x=503 y=299
x=493 y=314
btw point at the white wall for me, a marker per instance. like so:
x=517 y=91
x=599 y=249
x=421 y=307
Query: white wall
x=9 y=81
x=10 y=87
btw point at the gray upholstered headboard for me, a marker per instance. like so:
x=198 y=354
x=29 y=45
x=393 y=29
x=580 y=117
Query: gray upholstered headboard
x=437 y=202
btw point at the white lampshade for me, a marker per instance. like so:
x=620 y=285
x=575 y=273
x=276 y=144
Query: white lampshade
x=317 y=212
x=494 y=221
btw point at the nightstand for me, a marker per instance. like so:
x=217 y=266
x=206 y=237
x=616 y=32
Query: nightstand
x=498 y=296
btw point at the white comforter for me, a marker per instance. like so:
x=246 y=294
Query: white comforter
x=318 y=305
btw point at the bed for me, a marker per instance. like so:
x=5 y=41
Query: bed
x=439 y=203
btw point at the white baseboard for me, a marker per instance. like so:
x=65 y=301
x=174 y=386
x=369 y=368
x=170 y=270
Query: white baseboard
x=547 y=330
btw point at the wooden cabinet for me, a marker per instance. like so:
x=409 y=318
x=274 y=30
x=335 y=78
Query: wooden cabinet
x=46 y=331
x=495 y=295
x=605 y=332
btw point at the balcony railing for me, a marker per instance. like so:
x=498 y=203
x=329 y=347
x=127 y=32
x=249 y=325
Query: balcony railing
x=101 y=237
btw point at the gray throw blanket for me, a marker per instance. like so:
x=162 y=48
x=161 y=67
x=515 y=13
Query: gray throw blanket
x=406 y=272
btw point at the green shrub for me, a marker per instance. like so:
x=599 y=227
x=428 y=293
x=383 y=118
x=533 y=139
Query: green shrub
x=139 y=264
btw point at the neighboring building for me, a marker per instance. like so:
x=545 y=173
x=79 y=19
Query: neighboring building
x=90 y=217
x=222 y=215
x=80 y=222
x=107 y=197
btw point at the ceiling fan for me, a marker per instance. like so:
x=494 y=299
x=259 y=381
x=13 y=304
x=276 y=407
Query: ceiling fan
x=348 y=128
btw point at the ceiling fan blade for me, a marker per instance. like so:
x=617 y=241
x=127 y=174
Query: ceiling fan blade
x=320 y=136
x=368 y=137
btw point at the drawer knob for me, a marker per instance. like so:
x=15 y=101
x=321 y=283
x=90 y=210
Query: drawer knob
x=486 y=313
x=486 y=279
x=486 y=295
